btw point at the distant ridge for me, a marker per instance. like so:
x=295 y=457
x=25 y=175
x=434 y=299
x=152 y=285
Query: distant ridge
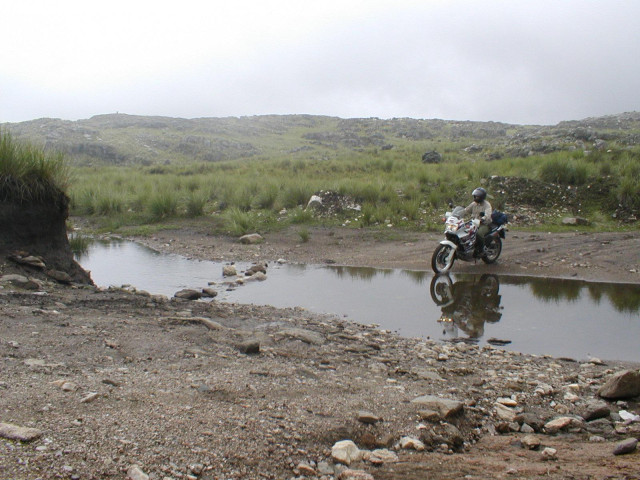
x=121 y=139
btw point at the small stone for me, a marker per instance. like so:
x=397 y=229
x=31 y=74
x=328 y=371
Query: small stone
x=229 y=271
x=209 y=292
x=306 y=469
x=410 y=443
x=445 y=406
x=90 y=398
x=346 y=452
x=381 y=456
x=557 y=424
x=251 y=239
x=549 y=454
x=368 y=417
x=135 y=473
x=626 y=446
x=249 y=347
x=188 y=294
x=69 y=387
x=349 y=474
x=531 y=442
x=15 y=432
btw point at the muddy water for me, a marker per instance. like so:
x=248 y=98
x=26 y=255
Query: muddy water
x=563 y=318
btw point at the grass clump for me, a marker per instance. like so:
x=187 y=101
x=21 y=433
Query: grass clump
x=28 y=173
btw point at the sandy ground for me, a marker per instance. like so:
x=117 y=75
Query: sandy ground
x=116 y=382
x=608 y=257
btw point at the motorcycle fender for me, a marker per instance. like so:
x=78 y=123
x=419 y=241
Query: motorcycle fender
x=450 y=243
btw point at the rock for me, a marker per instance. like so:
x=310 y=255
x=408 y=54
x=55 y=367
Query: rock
x=249 y=347
x=625 y=384
x=349 y=474
x=15 y=432
x=410 y=443
x=346 y=452
x=314 y=202
x=594 y=410
x=255 y=269
x=20 y=281
x=69 y=387
x=530 y=419
x=306 y=336
x=135 y=473
x=626 y=446
x=425 y=374
x=306 y=469
x=229 y=271
x=257 y=277
x=381 y=456
x=209 y=292
x=251 y=239
x=575 y=221
x=531 y=442
x=188 y=294
x=429 y=415
x=505 y=413
x=544 y=390
x=368 y=417
x=59 y=276
x=445 y=406
x=549 y=454
x=558 y=424
x=90 y=397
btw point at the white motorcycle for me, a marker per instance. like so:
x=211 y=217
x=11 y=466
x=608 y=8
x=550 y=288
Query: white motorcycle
x=461 y=241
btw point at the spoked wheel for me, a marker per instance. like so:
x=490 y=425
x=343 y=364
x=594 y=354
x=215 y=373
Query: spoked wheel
x=493 y=251
x=443 y=258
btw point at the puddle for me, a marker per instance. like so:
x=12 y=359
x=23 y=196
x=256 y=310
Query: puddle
x=562 y=318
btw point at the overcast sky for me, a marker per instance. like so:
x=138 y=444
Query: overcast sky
x=526 y=62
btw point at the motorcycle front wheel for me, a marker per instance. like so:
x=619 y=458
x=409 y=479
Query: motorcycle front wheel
x=493 y=251
x=443 y=258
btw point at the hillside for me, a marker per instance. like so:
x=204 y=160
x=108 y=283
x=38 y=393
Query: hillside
x=119 y=139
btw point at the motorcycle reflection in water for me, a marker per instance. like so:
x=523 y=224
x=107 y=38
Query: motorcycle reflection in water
x=467 y=304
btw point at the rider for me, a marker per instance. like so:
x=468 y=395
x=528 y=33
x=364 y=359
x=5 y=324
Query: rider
x=476 y=209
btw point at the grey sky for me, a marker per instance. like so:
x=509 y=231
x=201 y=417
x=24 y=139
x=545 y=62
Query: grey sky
x=528 y=62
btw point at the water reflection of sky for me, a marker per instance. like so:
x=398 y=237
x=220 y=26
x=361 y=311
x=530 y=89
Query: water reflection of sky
x=541 y=316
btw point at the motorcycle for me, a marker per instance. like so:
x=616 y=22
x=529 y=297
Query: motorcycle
x=461 y=241
x=466 y=304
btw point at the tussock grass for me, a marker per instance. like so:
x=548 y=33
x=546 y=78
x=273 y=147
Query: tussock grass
x=28 y=173
x=393 y=187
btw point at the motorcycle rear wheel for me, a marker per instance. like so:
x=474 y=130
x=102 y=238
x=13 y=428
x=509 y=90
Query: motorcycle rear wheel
x=493 y=251
x=440 y=257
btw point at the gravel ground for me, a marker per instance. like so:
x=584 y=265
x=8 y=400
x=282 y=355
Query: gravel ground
x=120 y=384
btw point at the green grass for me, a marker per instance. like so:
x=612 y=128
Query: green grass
x=28 y=173
x=393 y=187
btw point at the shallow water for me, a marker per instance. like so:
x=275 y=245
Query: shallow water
x=563 y=318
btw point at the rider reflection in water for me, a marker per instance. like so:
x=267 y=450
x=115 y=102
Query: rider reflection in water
x=467 y=304
x=480 y=208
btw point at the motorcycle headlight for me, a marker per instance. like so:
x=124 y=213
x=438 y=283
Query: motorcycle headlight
x=451 y=227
